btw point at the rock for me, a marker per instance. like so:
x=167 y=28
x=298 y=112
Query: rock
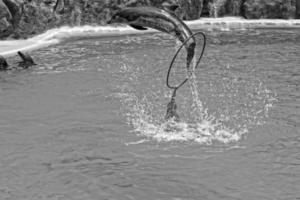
x=220 y=8
x=297 y=9
x=187 y=9
x=217 y=8
x=15 y=8
x=70 y=10
x=5 y=20
x=37 y=17
x=5 y=28
x=251 y=9
x=256 y=9
x=140 y=3
x=234 y=7
x=190 y=9
x=23 y=18
x=4 y=12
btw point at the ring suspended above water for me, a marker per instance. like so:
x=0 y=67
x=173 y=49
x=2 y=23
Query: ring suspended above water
x=175 y=56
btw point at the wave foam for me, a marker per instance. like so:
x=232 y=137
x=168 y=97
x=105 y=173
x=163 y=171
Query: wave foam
x=205 y=132
x=57 y=35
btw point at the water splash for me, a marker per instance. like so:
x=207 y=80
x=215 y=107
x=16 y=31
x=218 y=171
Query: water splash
x=140 y=115
x=223 y=115
x=197 y=104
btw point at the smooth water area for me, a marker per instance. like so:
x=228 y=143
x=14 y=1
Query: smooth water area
x=88 y=121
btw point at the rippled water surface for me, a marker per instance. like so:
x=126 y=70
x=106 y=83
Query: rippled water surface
x=88 y=121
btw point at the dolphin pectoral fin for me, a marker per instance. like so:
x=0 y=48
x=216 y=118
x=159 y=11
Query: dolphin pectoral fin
x=138 y=27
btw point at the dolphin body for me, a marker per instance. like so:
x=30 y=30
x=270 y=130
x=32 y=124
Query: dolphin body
x=146 y=16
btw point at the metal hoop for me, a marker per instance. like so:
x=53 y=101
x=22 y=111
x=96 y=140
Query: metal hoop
x=175 y=56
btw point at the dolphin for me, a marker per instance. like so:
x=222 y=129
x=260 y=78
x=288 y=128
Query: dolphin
x=146 y=16
x=3 y=63
x=27 y=60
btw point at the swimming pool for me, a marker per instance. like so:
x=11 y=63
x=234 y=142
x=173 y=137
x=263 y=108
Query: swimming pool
x=87 y=122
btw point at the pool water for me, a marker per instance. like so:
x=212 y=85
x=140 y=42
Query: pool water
x=88 y=121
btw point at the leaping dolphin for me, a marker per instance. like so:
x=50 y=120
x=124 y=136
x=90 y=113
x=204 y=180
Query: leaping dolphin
x=146 y=16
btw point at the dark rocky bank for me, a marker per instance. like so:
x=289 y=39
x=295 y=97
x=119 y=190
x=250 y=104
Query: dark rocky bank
x=23 y=18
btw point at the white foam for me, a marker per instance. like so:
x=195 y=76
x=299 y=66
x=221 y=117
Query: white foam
x=57 y=35
x=204 y=132
x=241 y=23
x=147 y=124
x=222 y=126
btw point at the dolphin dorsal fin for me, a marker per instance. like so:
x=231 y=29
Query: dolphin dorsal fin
x=22 y=55
x=25 y=57
x=138 y=27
